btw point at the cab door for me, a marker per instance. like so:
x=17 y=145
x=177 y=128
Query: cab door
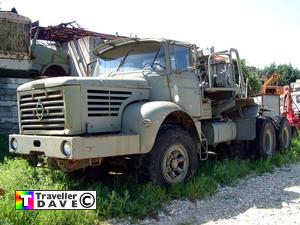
x=184 y=82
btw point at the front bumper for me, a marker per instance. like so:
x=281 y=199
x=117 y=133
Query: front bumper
x=86 y=147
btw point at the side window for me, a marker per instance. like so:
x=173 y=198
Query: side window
x=180 y=58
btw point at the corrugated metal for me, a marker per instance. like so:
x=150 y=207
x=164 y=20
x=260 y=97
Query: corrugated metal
x=80 y=52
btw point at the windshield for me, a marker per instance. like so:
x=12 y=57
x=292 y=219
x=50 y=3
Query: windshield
x=130 y=58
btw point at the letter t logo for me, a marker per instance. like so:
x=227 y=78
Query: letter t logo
x=25 y=199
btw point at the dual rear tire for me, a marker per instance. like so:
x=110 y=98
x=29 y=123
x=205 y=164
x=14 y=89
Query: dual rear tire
x=284 y=134
x=272 y=136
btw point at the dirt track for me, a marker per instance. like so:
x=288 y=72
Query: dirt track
x=273 y=198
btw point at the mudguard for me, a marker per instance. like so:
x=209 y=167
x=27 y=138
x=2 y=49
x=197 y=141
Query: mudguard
x=145 y=119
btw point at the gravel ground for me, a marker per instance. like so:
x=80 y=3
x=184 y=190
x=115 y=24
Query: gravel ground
x=273 y=198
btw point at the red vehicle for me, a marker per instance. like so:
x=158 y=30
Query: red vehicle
x=288 y=111
x=270 y=87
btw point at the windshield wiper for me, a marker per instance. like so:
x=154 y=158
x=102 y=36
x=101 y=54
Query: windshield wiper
x=153 y=61
x=123 y=60
x=120 y=64
x=155 y=56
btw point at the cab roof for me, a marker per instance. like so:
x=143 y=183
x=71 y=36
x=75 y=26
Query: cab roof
x=123 y=41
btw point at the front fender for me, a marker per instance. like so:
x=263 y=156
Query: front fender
x=145 y=119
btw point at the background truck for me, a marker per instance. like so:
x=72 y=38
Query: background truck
x=279 y=100
x=21 y=55
x=162 y=104
x=14 y=44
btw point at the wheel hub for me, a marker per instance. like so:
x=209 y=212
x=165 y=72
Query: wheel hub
x=269 y=142
x=175 y=164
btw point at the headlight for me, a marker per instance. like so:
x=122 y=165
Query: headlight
x=13 y=144
x=66 y=148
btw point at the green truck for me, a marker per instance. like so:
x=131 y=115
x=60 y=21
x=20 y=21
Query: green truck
x=161 y=103
x=22 y=55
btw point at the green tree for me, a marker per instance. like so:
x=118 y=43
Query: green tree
x=253 y=78
x=288 y=73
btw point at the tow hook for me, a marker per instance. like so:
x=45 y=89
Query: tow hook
x=40 y=160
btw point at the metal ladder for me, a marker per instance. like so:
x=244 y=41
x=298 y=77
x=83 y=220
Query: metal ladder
x=203 y=150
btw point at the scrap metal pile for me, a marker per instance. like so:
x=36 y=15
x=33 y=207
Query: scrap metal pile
x=65 y=32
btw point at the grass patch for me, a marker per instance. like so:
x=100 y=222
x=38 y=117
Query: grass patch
x=122 y=199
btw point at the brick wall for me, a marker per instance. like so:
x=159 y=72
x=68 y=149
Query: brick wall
x=8 y=104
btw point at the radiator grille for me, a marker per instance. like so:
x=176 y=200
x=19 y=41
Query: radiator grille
x=105 y=103
x=42 y=111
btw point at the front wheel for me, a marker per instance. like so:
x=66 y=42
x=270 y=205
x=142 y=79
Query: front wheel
x=173 y=158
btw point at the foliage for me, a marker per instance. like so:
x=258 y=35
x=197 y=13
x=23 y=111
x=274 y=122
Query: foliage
x=288 y=73
x=253 y=78
x=122 y=198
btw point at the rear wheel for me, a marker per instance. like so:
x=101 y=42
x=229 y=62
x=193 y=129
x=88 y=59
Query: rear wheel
x=173 y=158
x=55 y=71
x=265 y=137
x=284 y=134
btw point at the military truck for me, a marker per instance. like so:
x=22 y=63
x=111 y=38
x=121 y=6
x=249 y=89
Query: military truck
x=162 y=104
x=14 y=44
x=23 y=56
